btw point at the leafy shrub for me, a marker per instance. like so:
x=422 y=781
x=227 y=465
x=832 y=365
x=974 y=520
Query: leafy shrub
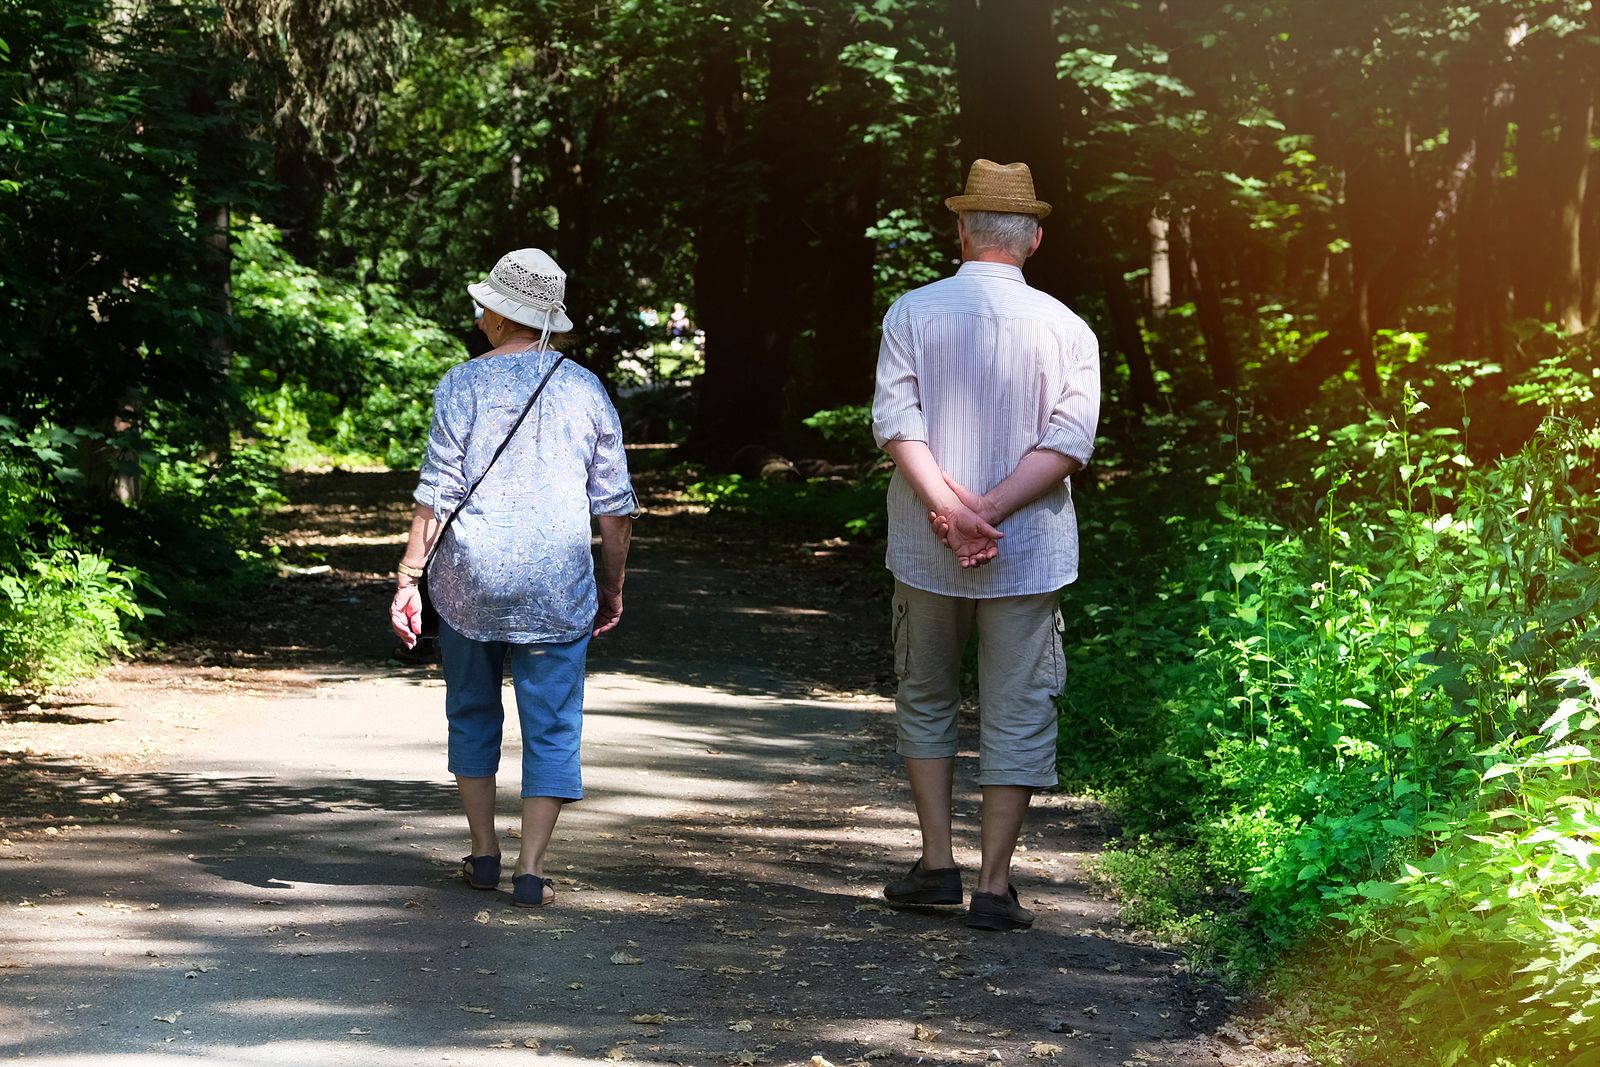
x=63 y=606
x=827 y=507
x=331 y=368
x=60 y=615
x=848 y=430
x=1323 y=706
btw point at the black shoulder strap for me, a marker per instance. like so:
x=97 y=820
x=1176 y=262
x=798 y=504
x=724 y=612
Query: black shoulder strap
x=532 y=400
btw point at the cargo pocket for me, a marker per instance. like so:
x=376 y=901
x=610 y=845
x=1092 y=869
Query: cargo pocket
x=902 y=640
x=1058 y=656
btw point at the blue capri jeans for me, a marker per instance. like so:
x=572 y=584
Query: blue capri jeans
x=548 y=682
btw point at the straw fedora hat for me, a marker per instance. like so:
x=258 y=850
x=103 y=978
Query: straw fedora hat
x=995 y=186
x=526 y=286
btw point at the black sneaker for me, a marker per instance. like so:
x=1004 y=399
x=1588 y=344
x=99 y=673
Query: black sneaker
x=922 y=886
x=992 y=911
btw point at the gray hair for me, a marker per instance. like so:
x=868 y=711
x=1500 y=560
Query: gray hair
x=1000 y=231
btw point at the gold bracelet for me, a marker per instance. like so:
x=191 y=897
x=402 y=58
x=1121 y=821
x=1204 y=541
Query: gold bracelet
x=408 y=570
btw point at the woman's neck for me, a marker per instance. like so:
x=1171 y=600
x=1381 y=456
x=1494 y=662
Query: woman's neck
x=515 y=342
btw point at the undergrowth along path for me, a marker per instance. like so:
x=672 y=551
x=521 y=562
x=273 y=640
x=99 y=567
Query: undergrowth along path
x=247 y=848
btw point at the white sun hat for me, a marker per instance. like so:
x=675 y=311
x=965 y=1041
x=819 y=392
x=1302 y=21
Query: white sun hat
x=526 y=286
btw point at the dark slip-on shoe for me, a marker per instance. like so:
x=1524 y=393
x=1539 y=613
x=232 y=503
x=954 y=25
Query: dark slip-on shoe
x=922 y=886
x=994 y=911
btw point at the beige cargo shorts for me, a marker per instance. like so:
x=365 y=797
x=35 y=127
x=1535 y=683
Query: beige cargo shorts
x=1022 y=668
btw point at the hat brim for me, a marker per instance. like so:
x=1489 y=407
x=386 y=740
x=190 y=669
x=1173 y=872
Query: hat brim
x=1014 y=205
x=516 y=310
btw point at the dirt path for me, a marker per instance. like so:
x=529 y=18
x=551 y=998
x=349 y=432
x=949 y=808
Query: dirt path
x=246 y=850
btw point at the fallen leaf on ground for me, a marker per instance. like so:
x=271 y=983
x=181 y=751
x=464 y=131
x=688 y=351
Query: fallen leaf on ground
x=358 y=1032
x=617 y=1053
x=501 y=1044
x=624 y=959
x=167 y=1018
x=1043 y=1050
x=877 y=1054
x=1001 y=1034
x=530 y=1042
x=740 y=1026
x=743 y=1058
x=727 y=968
x=819 y=1061
x=482 y=918
x=1091 y=1011
x=651 y=1018
x=476 y=1009
x=968 y=1028
x=784 y=1025
x=926 y=1033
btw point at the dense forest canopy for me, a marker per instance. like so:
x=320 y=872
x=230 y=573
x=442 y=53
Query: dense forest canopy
x=1251 y=198
x=1335 y=653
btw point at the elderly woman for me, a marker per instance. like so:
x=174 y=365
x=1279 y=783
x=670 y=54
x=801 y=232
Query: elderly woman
x=512 y=485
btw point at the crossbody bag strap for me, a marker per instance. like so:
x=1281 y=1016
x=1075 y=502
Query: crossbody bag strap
x=532 y=400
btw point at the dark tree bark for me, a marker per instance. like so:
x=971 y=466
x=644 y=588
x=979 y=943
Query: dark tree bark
x=1418 y=231
x=721 y=247
x=1480 y=313
x=1208 y=306
x=1532 y=227
x=1010 y=112
x=1364 y=220
x=1571 y=187
x=577 y=151
x=845 y=353
x=1130 y=338
x=795 y=160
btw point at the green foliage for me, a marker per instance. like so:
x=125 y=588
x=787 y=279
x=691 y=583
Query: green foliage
x=1323 y=700
x=60 y=614
x=63 y=607
x=819 y=507
x=847 y=431
x=331 y=368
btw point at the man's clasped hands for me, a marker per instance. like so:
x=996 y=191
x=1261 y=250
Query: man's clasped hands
x=967 y=527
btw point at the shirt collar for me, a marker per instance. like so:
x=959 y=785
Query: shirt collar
x=991 y=270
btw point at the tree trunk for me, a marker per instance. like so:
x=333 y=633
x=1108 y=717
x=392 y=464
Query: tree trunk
x=1208 y=308
x=721 y=245
x=1571 y=184
x=1160 y=265
x=577 y=164
x=1363 y=199
x=846 y=355
x=1130 y=338
x=796 y=158
x=1010 y=112
x=1419 y=231
x=1528 y=251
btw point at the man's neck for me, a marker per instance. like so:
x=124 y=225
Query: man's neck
x=989 y=255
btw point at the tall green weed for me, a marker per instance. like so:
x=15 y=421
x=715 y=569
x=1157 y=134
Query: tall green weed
x=1321 y=706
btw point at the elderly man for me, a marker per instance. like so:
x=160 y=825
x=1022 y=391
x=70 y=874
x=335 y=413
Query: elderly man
x=988 y=392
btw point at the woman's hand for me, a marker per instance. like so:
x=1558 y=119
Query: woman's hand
x=405 y=615
x=609 y=612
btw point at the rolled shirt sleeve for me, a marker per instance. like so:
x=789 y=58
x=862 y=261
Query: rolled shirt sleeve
x=1076 y=411
x=443 y=484
x=610 y=488
x=897 y=401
